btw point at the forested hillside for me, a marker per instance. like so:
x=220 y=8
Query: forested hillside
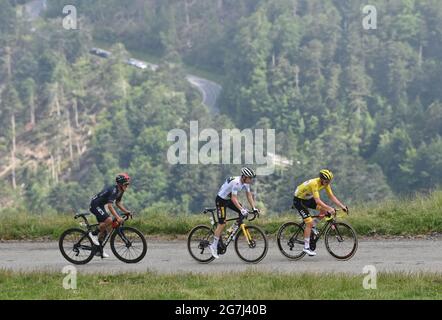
x=365 y=103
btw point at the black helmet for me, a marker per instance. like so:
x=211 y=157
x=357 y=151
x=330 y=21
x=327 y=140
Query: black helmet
x=123 y=179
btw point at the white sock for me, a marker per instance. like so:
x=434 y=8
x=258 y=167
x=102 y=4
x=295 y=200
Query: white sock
x=307 y=243
x=215 y=242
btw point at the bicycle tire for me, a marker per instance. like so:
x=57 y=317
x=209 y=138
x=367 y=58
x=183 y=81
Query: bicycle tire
x=339 y=227
x=123 y=230
x=262 y=255
x=202 y=243
x=297 y=229
x=84 y=235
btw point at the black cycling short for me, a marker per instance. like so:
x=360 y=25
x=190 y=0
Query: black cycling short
x=99 y=212
x=221 y=206
x=303 y=205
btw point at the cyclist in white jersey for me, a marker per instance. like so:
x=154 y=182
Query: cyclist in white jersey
x=228 y=198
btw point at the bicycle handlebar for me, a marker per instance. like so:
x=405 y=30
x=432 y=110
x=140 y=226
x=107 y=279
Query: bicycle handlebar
x=255 y=215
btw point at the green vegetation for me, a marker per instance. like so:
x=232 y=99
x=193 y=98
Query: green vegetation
x=365 y=103
x=420 y=216
x=199 y=287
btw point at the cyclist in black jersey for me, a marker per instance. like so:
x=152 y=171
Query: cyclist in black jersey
x=103 y=203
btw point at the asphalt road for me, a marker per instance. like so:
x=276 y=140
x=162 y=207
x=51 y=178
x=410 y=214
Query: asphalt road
x=172 y=257
x=209 y=89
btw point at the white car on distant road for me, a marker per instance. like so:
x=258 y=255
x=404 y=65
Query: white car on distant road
x=137 y=63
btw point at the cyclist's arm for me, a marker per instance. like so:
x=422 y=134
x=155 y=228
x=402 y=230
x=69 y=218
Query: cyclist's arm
x=235 y=201
x=333 y=198
x=322 y=204
x=250 y=199
x=121 y=207
x=336 y=201
x=111 y=209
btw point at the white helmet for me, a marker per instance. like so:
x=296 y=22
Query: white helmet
x=247 y=172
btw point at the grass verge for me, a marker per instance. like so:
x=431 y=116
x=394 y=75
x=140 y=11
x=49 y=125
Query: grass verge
x=233 y=286
x=419 y=216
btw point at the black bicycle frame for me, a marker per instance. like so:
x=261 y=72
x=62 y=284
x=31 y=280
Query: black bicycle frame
x=92 y=227
x=321 y=231
x=232 y=235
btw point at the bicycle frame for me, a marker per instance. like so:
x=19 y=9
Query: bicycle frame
x=329 y=224
x=241 y=226
x=92 y=227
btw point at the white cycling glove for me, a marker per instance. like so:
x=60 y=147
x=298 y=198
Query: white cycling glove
x=244 y=212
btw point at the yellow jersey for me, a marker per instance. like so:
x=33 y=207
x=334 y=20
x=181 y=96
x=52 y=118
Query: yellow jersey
x=310 y=189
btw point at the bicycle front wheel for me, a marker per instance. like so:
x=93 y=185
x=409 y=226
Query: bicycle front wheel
x=198 y=243
x=341 y=241
x=251 y=248
x=128 y=245
x=76 y=247
x=291 y=240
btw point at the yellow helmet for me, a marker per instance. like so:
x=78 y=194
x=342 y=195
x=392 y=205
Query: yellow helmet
x=326 y=175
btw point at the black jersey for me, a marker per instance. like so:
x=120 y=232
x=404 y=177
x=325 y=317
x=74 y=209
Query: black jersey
x=108 y=195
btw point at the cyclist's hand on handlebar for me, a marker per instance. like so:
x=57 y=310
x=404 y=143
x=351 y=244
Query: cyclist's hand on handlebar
x=119 y=220
x=332 y=211
x=128 y=214
x=256 y=210
x=244 y=212
x=345 y=209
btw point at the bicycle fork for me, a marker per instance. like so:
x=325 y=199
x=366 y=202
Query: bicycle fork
x=247 y=234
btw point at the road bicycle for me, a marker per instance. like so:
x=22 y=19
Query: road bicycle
x=250 y=241
x=340 y=238
x=127 y=243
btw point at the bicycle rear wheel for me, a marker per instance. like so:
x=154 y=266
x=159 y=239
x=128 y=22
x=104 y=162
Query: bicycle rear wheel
x=128 y=244
x=76 y=247
x=252 y=251
x=198 y=243
x=341 y=240
x=290 y=240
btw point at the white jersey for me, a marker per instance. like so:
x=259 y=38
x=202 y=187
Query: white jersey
x=231 y=186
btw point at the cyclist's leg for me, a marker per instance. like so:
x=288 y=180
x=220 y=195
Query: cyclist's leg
x=322 y=213
x=302 y=206
x=104 y=220
x=221 y=212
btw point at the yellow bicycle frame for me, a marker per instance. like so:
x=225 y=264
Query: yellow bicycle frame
x=246 y=233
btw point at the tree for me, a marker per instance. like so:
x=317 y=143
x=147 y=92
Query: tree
x=11 y=104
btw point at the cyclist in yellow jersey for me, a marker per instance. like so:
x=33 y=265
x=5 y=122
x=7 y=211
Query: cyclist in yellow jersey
x=307 y=197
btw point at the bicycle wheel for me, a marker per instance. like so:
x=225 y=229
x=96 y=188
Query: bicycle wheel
x=198 y=243
x=290 y=240
x=128 y=244
x=255 y=250
x=76 y=247
x=341 y=240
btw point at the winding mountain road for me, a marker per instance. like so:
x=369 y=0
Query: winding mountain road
x=210 y=90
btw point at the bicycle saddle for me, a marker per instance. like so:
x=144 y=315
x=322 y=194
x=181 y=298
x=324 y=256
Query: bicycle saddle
x=78 y=215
